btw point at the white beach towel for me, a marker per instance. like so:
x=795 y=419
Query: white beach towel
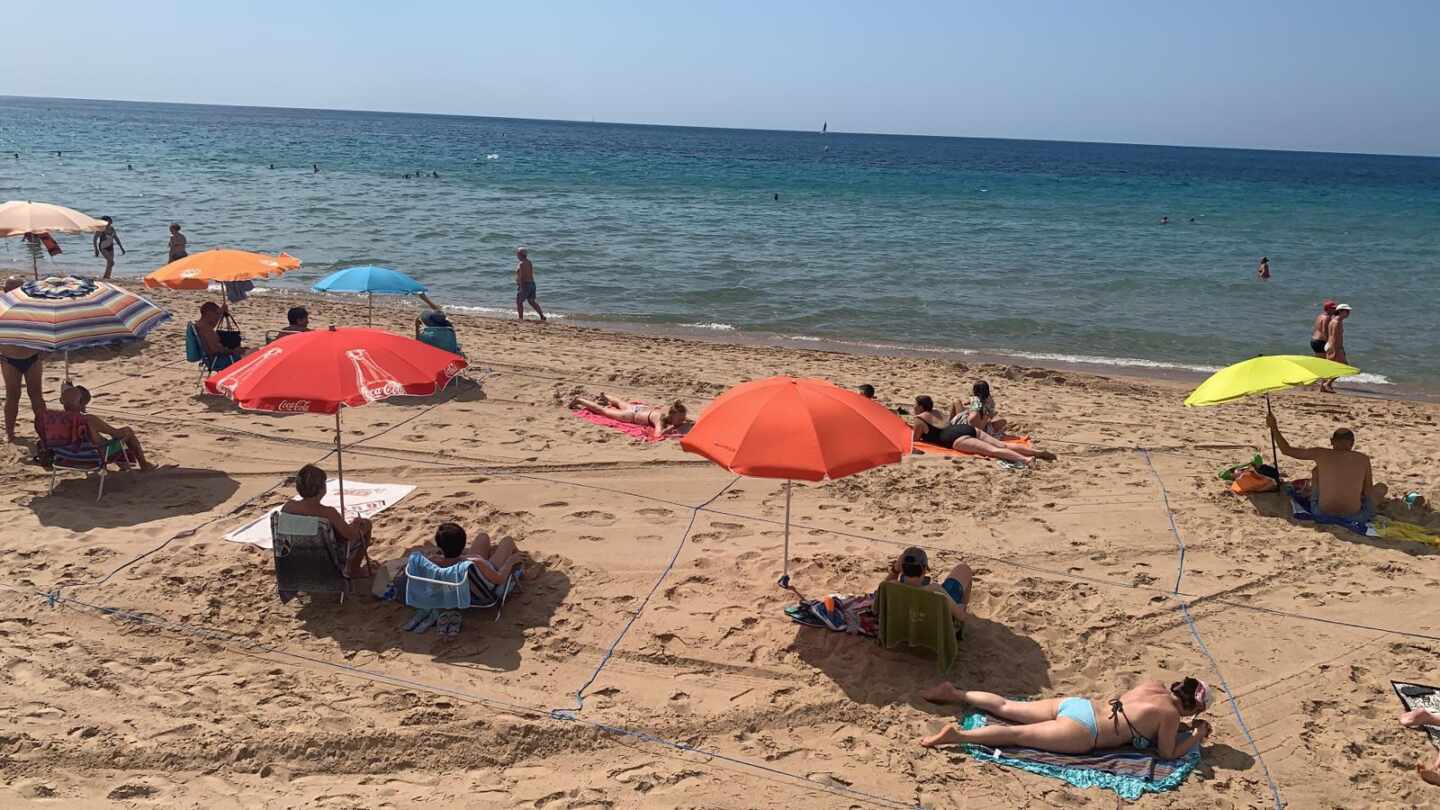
x=361 y=500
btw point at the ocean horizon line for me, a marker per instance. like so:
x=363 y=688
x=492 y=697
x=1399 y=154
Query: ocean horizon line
x=722 y=128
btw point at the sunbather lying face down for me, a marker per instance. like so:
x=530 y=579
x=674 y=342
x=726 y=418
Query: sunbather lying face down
x=912 y=568
x=933 y=427
x=659 y=420
x=1148 y=716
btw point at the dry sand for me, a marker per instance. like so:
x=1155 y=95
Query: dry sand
x=227 y=698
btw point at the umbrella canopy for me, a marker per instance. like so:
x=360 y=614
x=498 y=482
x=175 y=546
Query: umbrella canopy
x=196 y=271
x=19 y=217
x=320 y=371
x=797 y=429
x=62 y=314
x=1261 y=375
x=807 y=430
x=370 y=279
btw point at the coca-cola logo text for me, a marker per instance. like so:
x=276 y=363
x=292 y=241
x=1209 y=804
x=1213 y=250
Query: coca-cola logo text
x=293 y=406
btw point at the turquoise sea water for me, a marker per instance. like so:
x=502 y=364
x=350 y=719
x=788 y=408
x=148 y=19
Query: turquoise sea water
x=1040 y=250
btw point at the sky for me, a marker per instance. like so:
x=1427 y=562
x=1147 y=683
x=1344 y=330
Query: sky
x=1282 y=74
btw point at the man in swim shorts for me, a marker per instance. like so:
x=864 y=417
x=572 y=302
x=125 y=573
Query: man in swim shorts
x=1342 y=483
x=912 y=568
x=525 y=284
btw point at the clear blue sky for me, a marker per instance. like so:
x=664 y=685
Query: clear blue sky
x=1304 y=74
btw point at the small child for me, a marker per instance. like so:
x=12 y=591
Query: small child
x=493 y=562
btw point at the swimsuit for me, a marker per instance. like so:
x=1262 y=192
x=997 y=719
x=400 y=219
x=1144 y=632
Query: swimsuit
x=946 y=436
x=22 y=364
x=1081 y=711
x=1317 y=345
x=1365 y=515
x=1140 y=741
x=955 y=590
x=526 y=291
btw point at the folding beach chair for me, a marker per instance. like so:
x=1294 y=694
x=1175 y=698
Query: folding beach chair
x=195 y=353
x=66 y=443
x=919 y=617
x=449 y=587
x=308 y=559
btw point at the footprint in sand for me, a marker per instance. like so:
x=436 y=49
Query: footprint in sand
x=554 y=505
x=593 y=517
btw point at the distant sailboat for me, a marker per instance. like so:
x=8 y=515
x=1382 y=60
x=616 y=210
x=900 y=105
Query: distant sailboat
x=825 y=127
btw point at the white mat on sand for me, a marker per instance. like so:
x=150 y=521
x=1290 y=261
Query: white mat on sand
x=361 y=500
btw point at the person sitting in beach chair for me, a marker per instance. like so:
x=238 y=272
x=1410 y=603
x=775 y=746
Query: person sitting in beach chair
x=1342 y=483
x=298 y=320
x=659 y=420
x=1150 y=716
x=311 y=483
x=933 y=427
x=912 y=568
x=204 y=343
x=434 y=329
x=72 y=437
x=979 y=412
x=495 y=564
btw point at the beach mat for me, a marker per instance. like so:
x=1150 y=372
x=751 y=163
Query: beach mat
x=936 y=450
x=1126 y=771
x=637 y=432
x=361 y=500
x=1430 y=701
x=1300 y=510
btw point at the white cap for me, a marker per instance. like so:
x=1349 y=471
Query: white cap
x=1342 y=307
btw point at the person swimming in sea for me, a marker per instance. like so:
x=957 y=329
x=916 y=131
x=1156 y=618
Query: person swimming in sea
x=1153 y=717
x=1263 y=271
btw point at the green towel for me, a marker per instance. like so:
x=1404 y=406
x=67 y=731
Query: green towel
x=918 y=617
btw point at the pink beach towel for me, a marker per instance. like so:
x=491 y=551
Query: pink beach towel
x=640 y=432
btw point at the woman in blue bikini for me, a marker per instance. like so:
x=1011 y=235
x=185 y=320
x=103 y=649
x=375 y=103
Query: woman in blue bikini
x=1148 y=716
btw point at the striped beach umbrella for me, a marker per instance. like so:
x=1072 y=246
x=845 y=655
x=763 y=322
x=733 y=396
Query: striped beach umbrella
x=63 y=314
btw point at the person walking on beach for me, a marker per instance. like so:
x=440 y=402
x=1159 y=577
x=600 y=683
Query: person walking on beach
x=177 y=243
x=1335 y=341
x=105 y=243
x=525 y=284
x=1263 y=271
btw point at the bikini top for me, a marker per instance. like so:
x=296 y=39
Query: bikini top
x=1140 y=741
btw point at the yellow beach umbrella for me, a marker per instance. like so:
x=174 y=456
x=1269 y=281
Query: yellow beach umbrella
x=196 y=271
x=1263 y=374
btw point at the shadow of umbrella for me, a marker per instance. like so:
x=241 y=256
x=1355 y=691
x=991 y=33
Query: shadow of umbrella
x=993 y=658
x=164 y=493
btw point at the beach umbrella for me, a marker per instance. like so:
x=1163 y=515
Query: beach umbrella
x=63 y=314
x=329 y=369
x=797 y=429
x=18 y=218
x=1260 y=376
x=370 y=280
x=196 y=271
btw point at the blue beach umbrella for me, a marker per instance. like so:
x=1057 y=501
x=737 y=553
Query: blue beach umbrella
x=370 y=280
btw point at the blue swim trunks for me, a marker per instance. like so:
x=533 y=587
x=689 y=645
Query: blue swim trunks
x=525 y=291
x=956 y=591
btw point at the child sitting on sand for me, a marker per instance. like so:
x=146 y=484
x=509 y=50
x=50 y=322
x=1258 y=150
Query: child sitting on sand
x=979 y=412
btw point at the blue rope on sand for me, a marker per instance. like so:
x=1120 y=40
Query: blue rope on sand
x=1200 y=642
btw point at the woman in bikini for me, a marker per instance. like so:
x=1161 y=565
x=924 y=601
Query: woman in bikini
x=105 y=243
x=933 y=427
x=659 y=420
x=1148 y=716
x=20 y=366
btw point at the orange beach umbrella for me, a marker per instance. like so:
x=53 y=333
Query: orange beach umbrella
x=786 y=428
x=195 y=272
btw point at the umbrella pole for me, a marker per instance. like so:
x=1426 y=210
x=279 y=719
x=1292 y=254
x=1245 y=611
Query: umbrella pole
x=1274 y=451
x=785 y=575
x=340 y=463
x=67 y=365
x=370 y=314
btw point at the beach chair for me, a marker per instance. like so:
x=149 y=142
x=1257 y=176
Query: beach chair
x=441 y=337
x=443 y=588
x=66 y=443
x=918 y=617
x=308 y=559
x=195 y=353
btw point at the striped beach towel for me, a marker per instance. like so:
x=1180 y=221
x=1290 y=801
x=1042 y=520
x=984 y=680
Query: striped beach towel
x=1127 y=771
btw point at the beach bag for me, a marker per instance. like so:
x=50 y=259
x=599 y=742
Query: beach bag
x=229 y=338
x=1250 y=481
x=388 y=583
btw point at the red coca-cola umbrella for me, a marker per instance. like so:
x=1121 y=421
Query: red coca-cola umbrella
x=325 y=370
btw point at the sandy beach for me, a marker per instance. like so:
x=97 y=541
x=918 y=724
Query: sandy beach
x=168 y=674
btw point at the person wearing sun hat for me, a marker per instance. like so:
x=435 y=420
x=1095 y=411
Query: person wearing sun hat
x=1149 y=716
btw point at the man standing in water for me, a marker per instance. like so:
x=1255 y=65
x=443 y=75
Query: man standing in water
x=525 y=284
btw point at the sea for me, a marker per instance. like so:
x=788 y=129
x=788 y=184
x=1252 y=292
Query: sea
x=1107 y=256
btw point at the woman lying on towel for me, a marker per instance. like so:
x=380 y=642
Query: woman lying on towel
x=659 y=420
x=1146 y=717
x=311 y=483
x=933 y=427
